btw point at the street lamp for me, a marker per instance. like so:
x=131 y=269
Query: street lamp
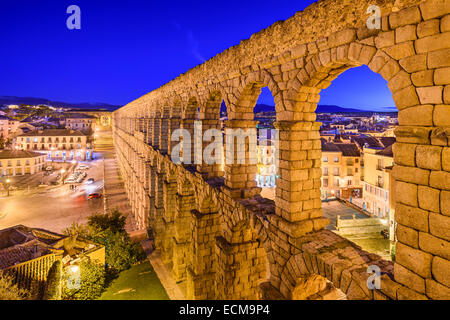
x=8 y=181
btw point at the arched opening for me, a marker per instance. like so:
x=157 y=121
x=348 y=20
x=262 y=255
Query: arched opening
x=252 y=159
x=358 y=117
x=212 y=136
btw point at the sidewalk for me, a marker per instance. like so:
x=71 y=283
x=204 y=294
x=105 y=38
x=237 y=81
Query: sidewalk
x=173 y=290
x=114 y=192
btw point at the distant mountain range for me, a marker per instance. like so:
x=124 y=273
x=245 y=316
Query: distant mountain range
x=7 y=100
x=321 y=109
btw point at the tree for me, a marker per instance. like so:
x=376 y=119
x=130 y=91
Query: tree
x=10 y=291
x=91 y=282
x=109 y=230
x=2 y=142
x=114 y=222
x=53 y=285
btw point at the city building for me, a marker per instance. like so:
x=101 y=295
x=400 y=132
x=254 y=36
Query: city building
x=376 y=184
x=20 y=162
x=267 y=167
x=8 y=126
x=82 y=122
x=57 y=144
x=28 y=254
x=341 y=170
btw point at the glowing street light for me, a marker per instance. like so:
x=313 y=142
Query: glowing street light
x=8 y=181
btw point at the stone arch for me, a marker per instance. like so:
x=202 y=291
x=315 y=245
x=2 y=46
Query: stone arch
x=190 y=110
x=211 y=109
x=248 y=92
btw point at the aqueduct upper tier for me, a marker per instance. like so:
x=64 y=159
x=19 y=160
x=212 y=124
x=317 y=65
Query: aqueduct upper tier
x=210 y=224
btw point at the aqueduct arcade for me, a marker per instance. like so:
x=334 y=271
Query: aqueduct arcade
x=214 y=230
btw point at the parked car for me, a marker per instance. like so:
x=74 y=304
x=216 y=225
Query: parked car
x=49 y=168
x=90 y=181
x=94 y=196
x=83 y=167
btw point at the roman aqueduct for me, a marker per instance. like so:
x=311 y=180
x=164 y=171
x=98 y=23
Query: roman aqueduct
x=211 y=226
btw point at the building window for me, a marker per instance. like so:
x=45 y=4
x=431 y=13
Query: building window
x=325 y=171
x=325 y=183
x=336 y=183
x=336 y=159
x=336 y=171
x=325 y=159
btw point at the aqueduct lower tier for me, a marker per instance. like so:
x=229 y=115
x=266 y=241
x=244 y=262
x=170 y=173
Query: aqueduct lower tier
x=212 y=227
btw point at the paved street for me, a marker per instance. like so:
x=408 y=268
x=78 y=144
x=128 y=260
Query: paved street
x=332 y=209
x=56 y=208
x=53 y=208
x=116 y=197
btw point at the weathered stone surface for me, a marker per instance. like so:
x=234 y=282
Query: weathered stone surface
x=404 y=17
x=431 y=95
x=434 y=8
x=411 y=174
x=442 y=76
x=414 y=63
x=405 y=293
x=433 y=43
x=405 y=154
x=401 y=50
x=416 y=116
x=408 y=236
x=445 y=202
x=423 y=78
x=406 y=97
x=400 y=81
x=445 y=23
x=437 y=291
x=414 y=260
x=385 y=39
x=439 y=59
x=440 y=226
x=406 y=193
x=429 y=157
x=409 y=278
x=440 y=180
x=441 y=118
x=428 y=28
x=447 y=94
x=441 y=271
x=434 y=245
x=296 y=59
x=412 y=217
x=429 y=199
x=405 y=33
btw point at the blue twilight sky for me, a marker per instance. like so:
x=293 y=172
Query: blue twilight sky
x=128 y=48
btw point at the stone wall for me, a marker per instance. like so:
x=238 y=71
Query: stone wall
x=296 y=59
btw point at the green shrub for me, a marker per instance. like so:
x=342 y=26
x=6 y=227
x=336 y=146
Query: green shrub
x=91 y=282
x=10 y=291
